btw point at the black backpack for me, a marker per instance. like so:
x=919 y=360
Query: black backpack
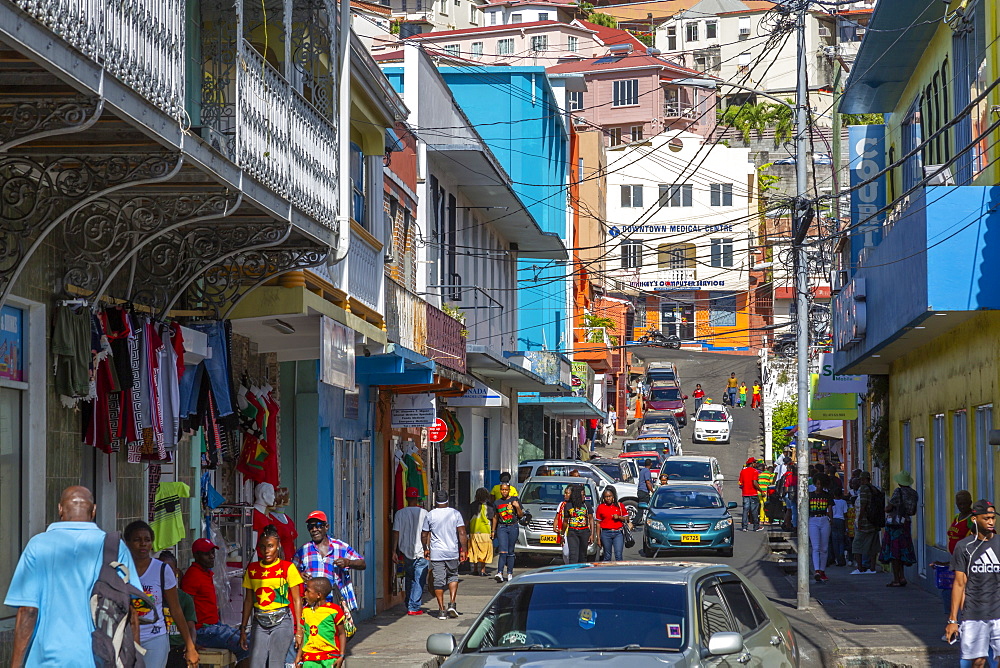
x=111 y=610
x=876 y=507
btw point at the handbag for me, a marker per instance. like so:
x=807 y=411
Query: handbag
x=627 y=534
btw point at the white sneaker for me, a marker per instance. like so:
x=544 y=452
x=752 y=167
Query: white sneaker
x=856 y=572
x=510 y=576
x=498 y=577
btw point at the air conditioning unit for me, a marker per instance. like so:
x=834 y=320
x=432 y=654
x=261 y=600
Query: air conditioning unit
x=745 y=31
x=824 y=31
x=860 y=32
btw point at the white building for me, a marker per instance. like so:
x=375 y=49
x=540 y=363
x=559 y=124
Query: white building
x=731 y=39
x=680 y=236
x=420 y=16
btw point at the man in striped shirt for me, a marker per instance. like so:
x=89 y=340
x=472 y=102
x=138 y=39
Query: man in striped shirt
x=766 y=481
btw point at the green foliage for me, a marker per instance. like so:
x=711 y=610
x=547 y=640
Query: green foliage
x=456 y=313
x=603 y=20
x=862 y=119
x=786 y=414
x=394 y=27
x=877 y=434
x=594 y=335
x=754 y=119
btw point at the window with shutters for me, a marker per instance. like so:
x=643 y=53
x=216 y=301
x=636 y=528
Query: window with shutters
x=677 y=194
x=516 y=18
x=722 y=253
x=721 y=194
x=676 y=256
x=626 y=93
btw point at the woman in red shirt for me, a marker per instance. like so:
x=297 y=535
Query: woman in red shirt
x=611 y=516
x=699 y=397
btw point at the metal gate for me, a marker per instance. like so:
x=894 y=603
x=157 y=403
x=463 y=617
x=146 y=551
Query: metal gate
x=351 y=522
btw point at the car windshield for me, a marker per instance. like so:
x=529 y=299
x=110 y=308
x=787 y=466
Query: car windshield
x=681 y=470
x=608 y=616
x=548 y=492
x=678 y=498
x=659 y=419
x=641 y=446
x=712 y=416
x=665 y=394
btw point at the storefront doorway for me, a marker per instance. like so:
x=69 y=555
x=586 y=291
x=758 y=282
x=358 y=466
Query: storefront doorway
x=350 y=520
x=677 y=318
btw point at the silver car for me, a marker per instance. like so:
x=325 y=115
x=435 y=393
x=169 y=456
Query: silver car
x=541 y=496
x=628 y=614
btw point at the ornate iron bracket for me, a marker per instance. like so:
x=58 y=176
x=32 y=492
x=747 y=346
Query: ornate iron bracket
x=176 y=259
x=27 y=119
x=141 y=220
x=36 y=196
x=223 y=285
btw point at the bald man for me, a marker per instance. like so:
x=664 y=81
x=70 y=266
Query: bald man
x=52 y=584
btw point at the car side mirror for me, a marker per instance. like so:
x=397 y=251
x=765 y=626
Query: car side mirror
x=731 y=504
x=684 y=397
x=720 y=477
x=443 y=644
x=722 y=643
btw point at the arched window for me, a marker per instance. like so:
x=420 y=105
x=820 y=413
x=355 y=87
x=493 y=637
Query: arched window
x=676 y=256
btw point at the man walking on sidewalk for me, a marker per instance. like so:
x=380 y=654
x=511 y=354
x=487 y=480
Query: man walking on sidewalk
x=644 y=489
x=445 y=544
x=976 y=589
x=750 y=486
x=865 y=533
x=407 y=544
x=731 y=386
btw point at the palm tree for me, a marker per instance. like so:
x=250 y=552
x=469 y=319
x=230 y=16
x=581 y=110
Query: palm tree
x=592 y=323
x=755 y=118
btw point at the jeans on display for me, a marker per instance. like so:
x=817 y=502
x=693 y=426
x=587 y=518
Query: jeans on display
x=188 y=396
x=613 y=541
x=751 y=511
x=838 y=540
x=819 y=539
x=578 y=540
x=221 y=636
x=642 y=497
x=794 y=507
x=217 y=365
x=416 y=580
x=506 y=540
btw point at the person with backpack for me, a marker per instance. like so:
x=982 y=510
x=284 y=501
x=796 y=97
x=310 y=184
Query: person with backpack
x=160 y=584
x=869 y=520
x=52 y=586
x=897 y=543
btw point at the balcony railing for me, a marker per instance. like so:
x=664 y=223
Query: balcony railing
x=677 y=110
x=365 y=272
x=283 y=141
x=423 y=328
x=141 y=42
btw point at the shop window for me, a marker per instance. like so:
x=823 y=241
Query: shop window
x=11 y=488
x=722 y=309
x=942 y=502
x=984 y=453
x=960 y=449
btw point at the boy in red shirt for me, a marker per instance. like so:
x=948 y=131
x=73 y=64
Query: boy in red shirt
x=750 y=487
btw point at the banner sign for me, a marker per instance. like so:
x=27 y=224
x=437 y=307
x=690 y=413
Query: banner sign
x=823 y=406
x=336 y=354
x=414 y=410
x=480 y=395
x=867 y=158
x=830 y=382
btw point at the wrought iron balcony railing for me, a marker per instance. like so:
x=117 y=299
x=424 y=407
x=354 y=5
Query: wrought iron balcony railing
x=141 y=42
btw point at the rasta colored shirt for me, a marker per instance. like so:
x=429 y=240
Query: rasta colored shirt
x=506 y=512
x=577 y=516
x=270 y=584
x=320 y=625
x=819 y=504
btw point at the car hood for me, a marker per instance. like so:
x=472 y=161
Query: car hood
x=707 y=424
x=666 y=405
x=567 y=659
x=687 y=514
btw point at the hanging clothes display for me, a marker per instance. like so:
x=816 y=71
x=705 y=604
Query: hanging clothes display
x=259 y=429
x=168 y=523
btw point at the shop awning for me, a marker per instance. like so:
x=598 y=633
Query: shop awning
x=396 y=366
x=832 y=433
x=494 y=369
x=565 y=407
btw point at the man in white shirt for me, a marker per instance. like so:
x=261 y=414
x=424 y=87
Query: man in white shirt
x=407 y=544
x=445 y=545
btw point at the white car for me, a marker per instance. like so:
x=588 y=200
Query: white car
x=712 y=423
x=696 y=469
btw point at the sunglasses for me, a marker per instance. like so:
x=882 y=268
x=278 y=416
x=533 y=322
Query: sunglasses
x=313 y=525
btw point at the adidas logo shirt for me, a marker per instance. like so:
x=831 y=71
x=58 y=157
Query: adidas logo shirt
x=980 y=561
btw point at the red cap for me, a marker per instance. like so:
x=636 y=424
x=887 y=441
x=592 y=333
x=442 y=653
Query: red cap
x=751 y=460
x=203 y=545
x=412 y=493
x=318 y=515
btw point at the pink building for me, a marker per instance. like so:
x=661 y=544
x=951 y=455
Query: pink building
x=630 y=96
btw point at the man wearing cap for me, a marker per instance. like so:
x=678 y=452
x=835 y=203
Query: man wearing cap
x=199 y=584
x=445 y=544
x=976 y=589
x=407 y=544
x=326 y=557
x=750 y=487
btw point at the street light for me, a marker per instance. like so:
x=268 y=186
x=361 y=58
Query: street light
x=800 y=228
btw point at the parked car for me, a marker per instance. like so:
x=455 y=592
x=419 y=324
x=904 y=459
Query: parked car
x=661 y=371
x=697 y=469
x=541 y=497
x=657 y=420
x=640 y=456
x=712 y=423
x=625 y=615
x=667 y=396
x=663 y=443
x=619 y=470
x=688 y=516
x=562 y=467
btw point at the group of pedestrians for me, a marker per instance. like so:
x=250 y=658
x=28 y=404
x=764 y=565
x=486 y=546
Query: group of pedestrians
x=297 y=608
x=737 y=391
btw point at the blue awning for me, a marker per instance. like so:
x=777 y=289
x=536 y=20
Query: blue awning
x=564 y=407
x=897 y=36
x=397 y=366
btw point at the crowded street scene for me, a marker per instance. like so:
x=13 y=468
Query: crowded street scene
x=494 y=333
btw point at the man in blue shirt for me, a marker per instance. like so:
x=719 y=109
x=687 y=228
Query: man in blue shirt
x=52 y=584
x=645 y=487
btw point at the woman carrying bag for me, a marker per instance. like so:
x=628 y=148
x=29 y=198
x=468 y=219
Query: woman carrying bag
x=579 y=522
x=611 y=516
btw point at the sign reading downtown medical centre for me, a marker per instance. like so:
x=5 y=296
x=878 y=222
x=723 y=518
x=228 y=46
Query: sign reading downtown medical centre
x=616 y=230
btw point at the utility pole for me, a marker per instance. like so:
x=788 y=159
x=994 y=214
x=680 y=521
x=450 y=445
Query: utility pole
x=800 y=227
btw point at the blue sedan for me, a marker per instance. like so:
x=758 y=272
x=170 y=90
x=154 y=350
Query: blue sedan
x=688 y=517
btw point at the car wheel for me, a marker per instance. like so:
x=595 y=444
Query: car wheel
x=726 y=551
x=646 y=551
x=632 y=508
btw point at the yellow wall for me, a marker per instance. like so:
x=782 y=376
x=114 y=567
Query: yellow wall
x=958 y=370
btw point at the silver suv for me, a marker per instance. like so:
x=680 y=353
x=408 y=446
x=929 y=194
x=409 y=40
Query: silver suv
x=541 y=497
x=626 y=491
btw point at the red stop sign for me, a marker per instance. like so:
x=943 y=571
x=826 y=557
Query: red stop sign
x=438 y=432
